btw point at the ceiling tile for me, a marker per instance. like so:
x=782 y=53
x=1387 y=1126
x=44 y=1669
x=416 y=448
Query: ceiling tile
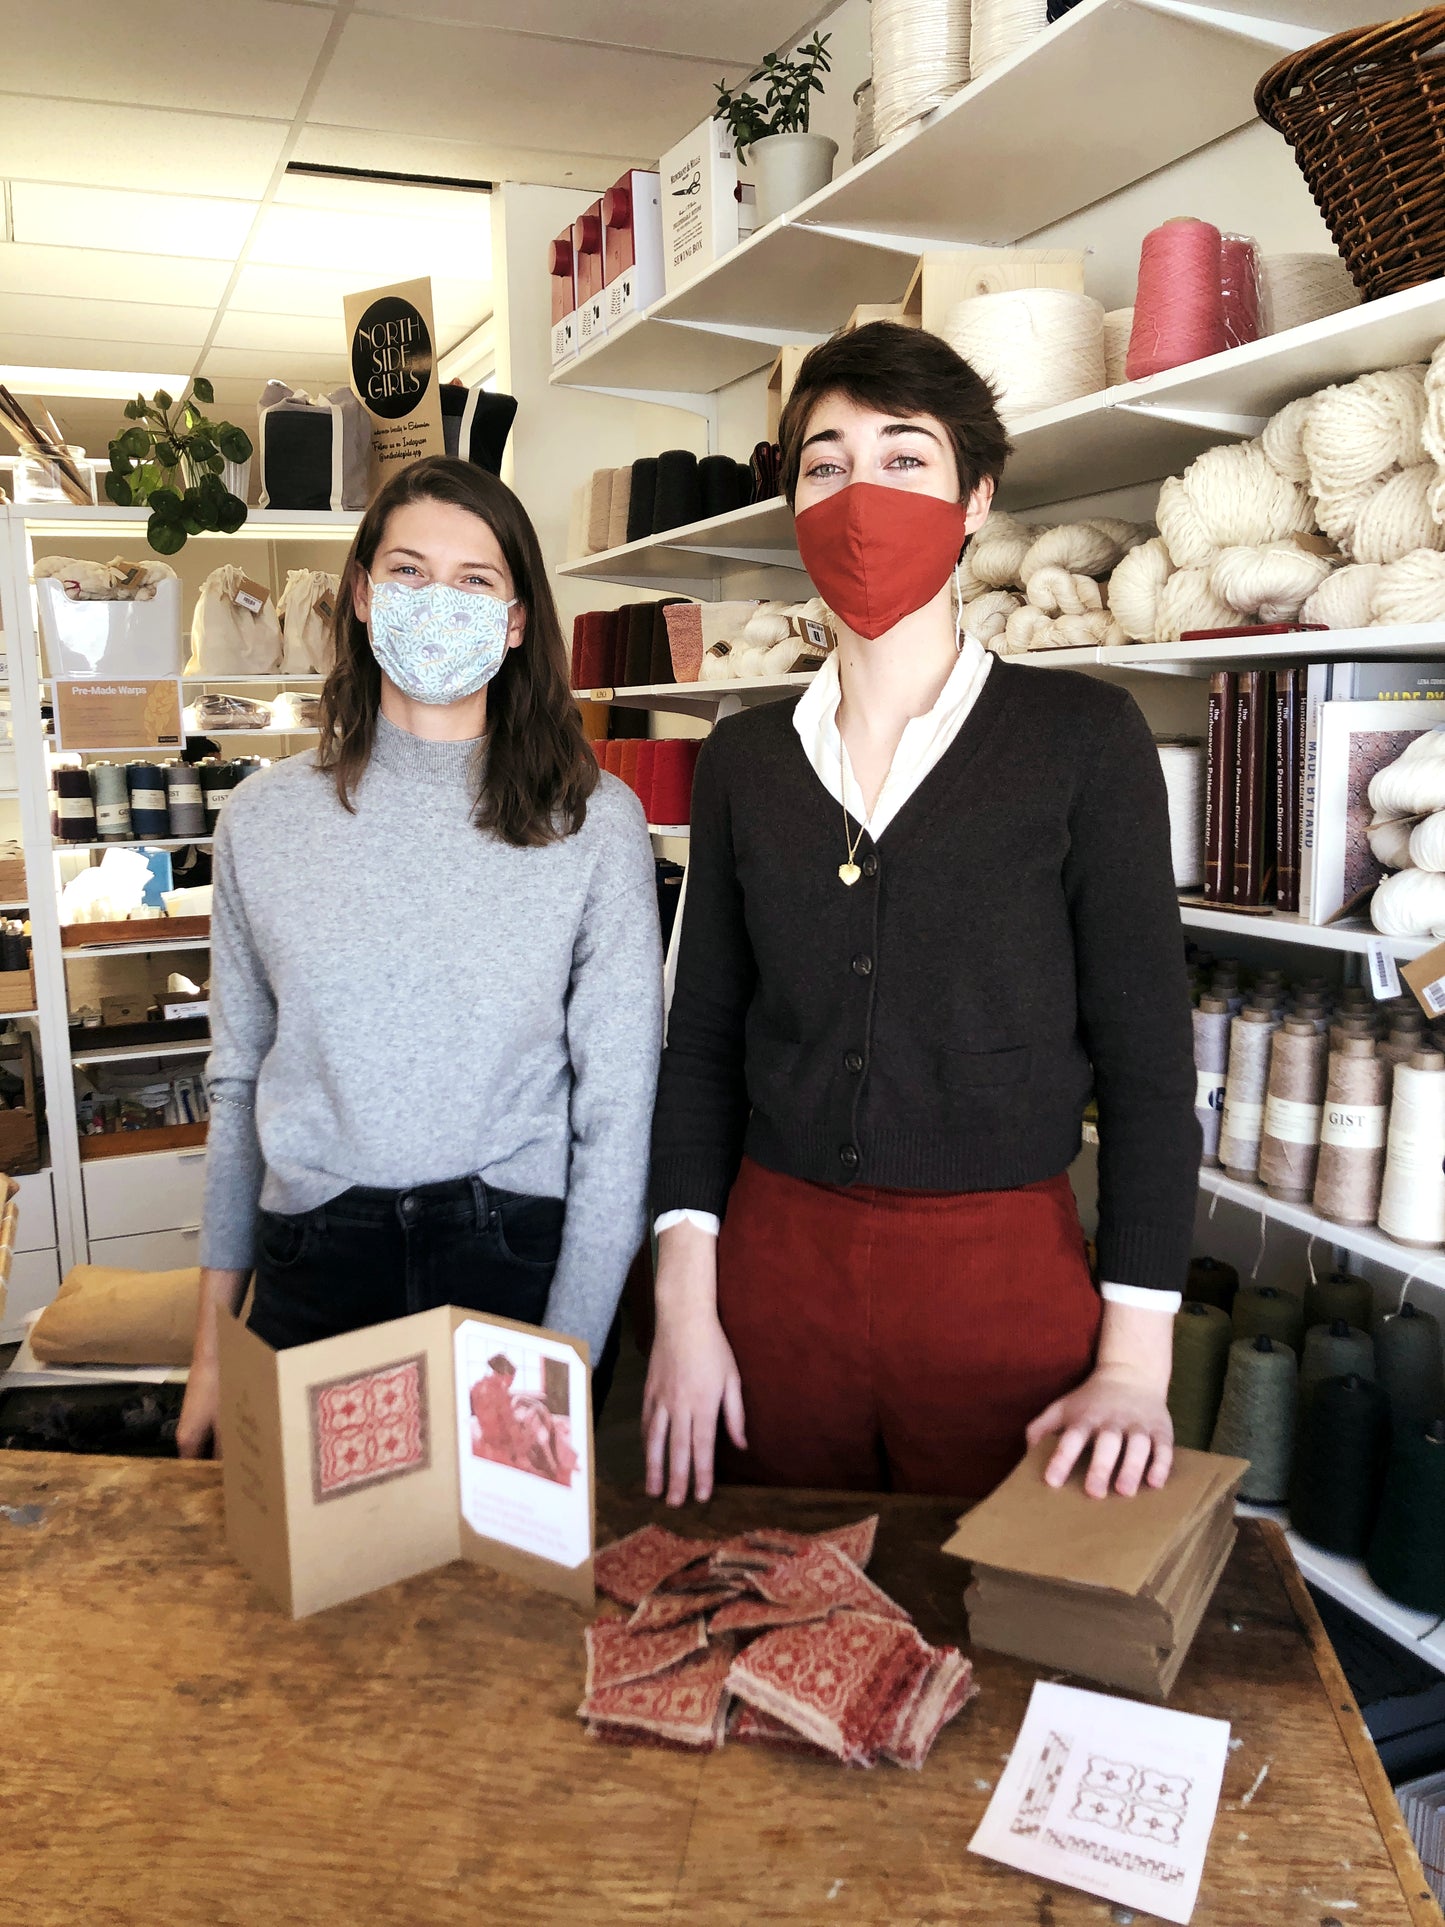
x=322 y=292
x=80 y=141
x=398 y=76
x=43 y=351
x=389 y=247
x=123 y=322
x=85 y=217
x=472 y=158
x=124 y=277
x=741 y=32
x=293 y=334
x=302 y=370
x=245 y=57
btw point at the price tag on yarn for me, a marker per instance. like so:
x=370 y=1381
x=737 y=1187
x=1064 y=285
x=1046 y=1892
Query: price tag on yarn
x=1426 y=977
x=1384 y=977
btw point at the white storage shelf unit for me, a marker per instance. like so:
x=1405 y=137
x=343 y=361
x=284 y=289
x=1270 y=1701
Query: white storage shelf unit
x=1105 y=82
x=141 y=1209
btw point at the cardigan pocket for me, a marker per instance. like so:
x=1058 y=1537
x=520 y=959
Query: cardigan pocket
x=976 y=1070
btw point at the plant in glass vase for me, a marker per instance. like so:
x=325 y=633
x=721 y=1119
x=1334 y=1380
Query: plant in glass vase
x=172 y=460
x=770 y=129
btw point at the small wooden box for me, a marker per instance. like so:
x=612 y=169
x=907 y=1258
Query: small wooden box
x=126 y=1144
x=879 y=311
x=12 y=879
x=781 y=376
x=17 y=991
x=95 y=936
x=946 y=276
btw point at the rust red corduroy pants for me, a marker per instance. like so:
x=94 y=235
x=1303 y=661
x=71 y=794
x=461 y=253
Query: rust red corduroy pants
x=898 y=1340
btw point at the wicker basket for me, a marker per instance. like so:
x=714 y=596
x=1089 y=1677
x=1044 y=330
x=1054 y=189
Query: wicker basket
x=1365 y=115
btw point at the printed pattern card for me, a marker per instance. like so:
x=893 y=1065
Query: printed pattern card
x=522 y=1440
x=1110 y=1796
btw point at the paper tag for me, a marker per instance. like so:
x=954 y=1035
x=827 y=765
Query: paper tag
x=1242 y=1120
x=816 y=633
x=1426 y=977
x=1291 y=1122
x=1384 y=977
x=1209 y=1090
x=174 y=1013
x=325 y=607
x=1354 y=1127
x=129 y=572
x=250 y=595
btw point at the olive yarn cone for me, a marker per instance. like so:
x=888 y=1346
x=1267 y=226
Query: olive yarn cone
x=1202 y=1337
x=1339 y=1296
x=1334 y=1351
x=1409 y=1368
x=1256 y=1416
x=1211 y=1282
x=1266 y=1310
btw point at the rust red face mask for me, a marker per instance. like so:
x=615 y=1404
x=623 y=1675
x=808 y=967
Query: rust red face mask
x=876 y=554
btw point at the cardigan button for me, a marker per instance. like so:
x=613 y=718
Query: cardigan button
x=848 y=1156
x=863 y=965
x=869 y=865
x=853 y=1061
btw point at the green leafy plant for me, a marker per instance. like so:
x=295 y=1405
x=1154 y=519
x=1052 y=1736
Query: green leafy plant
x=171 y=459
x=786 y=98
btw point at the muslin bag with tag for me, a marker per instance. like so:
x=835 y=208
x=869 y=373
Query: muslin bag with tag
x=234 y=631
x=307 y=608
x=314 y=451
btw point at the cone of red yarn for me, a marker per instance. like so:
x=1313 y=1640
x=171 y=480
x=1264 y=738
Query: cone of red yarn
x=1179 y=306
x=1239 y=286
x=646 y=774
x=578 y=624
x=674 y=761
x=627 y=761
x=595 y=651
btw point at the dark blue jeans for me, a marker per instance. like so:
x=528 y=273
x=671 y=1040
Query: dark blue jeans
x=371 y=1255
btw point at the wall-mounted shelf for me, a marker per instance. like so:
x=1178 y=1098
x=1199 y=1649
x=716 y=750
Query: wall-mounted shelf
x=669 y=829
x=698 y=558
x=1366 y=1241
x=1346 y=1580
x=141 y=1053
x=265 y=525
x=138 y=843
x=100 y=952
x=694 y=698
x=1283 y=926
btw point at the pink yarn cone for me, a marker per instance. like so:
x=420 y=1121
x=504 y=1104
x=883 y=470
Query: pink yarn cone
x=1239 y=286
x=1179 y=308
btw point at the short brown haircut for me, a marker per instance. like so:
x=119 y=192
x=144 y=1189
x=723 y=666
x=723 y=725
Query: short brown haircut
x=899 y=371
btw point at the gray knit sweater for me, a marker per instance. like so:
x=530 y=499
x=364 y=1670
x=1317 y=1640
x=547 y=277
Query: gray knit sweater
x=398 y=998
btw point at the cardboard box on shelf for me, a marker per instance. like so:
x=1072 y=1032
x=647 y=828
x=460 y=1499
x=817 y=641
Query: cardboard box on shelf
x=700 y=212
x=561 y=270
x=17 y=990
x=128 y=1009
x=946 y=276
x=20 y=1128
x=588 y=268
x=781 y=376
x=632 y=270
x=360 y=1460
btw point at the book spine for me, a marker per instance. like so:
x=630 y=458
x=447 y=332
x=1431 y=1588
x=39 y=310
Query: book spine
x=1219 y=790
x=1249 y=746
x=1316 y=691
x=1287 y=738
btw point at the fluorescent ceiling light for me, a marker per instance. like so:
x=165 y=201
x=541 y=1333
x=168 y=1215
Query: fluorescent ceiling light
x=89 y=384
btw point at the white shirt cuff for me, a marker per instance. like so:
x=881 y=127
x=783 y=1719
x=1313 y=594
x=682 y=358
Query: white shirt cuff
x=704 y=1220
x=1142 y=1296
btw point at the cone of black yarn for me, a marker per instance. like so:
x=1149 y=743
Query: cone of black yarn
x=660 y=669
x=1334 y=1351
x=678 y=499
x=1341 y=1450
x=719 y=485
x=1409 y=1368
x=643 y=499
x=1339 y=1296
x=1212 y=1282
x=1406 y=1557
x=638 y=661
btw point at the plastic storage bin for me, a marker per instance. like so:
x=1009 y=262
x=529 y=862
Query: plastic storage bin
x=110 y=638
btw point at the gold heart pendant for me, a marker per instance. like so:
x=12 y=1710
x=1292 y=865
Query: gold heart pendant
x=849 y=873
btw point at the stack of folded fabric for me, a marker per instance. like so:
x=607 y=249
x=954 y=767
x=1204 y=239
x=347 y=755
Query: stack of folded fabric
x=771 y=1638
x=1113 y=1589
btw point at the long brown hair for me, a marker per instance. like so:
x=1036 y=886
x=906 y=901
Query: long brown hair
x=539 y=771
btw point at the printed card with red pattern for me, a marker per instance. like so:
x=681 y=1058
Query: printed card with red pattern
x=367 y=1427
x=687 y=1703
x=824 y=1573
x=629 y=1569
x=616 y=1655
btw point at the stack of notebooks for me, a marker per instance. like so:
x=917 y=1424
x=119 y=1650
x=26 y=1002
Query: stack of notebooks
x=1113 y=1589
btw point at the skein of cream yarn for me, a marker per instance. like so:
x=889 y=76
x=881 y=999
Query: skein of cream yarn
x=1187 y=602
x=986 y=617
x=1414 y=784
x=1427 y=843
x=1357 y=435
x=1268 y=584
x=1432 y=430
x=1228 y=496
x=1390 y=838
x=1345 y=599
x=1411 y=590
x=1395 y=520
x=1411 y=903
x=1282 y=439
x=1135 y=585
x=1037 y=347
x=1086 y=548
x=920 y=59
x=1059 y=592
x=995 y=555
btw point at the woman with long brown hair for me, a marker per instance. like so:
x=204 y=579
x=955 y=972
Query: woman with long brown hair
x=436 y=975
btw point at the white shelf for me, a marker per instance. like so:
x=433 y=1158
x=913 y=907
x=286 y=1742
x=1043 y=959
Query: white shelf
x=275 y=679
x=1285 y=926
x=699 y=557
x=96 y=953
x=1398 y=644
x=266 y=525
x=690 y=698
x=141 y=1053
x=669 y=829
x=1103 y=81
x=137 y=843
x=1366 y=1241
x=1347 y=1581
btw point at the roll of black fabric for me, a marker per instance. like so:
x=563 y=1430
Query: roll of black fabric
x=638 y=661
x=679 y=493
x=1341 y=1451
x=643 y=499
x=1406 y=1558
x=720 y=485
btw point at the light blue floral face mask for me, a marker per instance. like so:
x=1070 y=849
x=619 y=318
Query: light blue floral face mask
x=438 y=644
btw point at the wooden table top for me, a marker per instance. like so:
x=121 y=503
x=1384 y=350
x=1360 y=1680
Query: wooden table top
x=176 y=1753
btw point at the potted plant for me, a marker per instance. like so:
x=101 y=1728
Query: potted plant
x=175 y=465
x=770 y=128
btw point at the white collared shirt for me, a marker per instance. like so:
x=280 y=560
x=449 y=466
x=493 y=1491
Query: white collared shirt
x=924 y=741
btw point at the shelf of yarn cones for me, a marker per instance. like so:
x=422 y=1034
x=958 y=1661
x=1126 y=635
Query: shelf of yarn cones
x=1346 y=1580
x=691 y=697
x=60 y=847
x=1103 y=80
x=1426 y=1267
x=266 y=525
x=275 y=679
x=1140 y=431
x=98 y=953
x=697 y=557
x=1286 y=926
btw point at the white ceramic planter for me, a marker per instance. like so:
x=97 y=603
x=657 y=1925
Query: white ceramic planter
x=787 y=169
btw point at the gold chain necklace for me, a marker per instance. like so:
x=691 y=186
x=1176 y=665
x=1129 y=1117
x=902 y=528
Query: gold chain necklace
x=848 y=872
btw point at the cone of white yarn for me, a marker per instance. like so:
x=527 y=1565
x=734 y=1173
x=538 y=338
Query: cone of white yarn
x=1301 y=287
x=1411 y=903
x=1037 y=347
x=1389 y=838
x=1184 y=773
x=1412 y=1198
x=1411 y=590
x=1396 y=520
x=1343 y=600
x=1001 y=27
x=1118 y=326
x=920 y=58
x=1427 y=842
x=1227 y=496
x=1414 y=784
x=1134 y=589
x=1269 y=583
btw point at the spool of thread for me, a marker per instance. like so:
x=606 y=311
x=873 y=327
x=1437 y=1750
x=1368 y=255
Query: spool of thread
x=1339 y=1296
x=678 y=500
x=661 y=668
x=1408 y=1366
x=185 y=808
x=1118 y=326
x=1202 y=1337
x=1001 y=28
x=1239 y=288
x=920 y=57
x=674 y=762
x=1351 y=1166
x=1256 y=1416
x=1179 y=305
x=1296 y=288
x=74 y=806
x=1036 y=346
x=615 y=647
x=1341 y=1031
x=721 y=485
x=1400 y=1045
x=1341 y=1452
x=1211 y=1282
x=148 y=813
x=1406 y=1557
x=627 y=762
x=1266 y=1311
x=1211 y=1061
x=1242 y=1125
x=646 y=769
x=1412 y=1198
x=1334 y=1351
x=637 y=650
x=641 y=501
x=217 y=782
x=1184 y=778
x=112 y=801
x=1289 y=1149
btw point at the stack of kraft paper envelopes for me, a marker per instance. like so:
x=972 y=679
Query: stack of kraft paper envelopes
x=1113 y=1589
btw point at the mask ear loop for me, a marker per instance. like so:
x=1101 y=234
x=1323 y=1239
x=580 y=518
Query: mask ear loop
x=957 y=608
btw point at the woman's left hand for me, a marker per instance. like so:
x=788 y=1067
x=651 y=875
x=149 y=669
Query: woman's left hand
x=1121 y=1408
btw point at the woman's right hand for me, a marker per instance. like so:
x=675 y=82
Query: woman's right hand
x=196 y=1427
x=692 y=1374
